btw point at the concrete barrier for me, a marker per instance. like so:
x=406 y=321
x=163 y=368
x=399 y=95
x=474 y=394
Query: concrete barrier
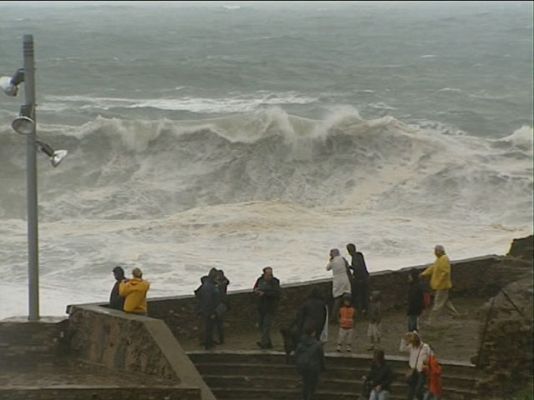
x=128 y=342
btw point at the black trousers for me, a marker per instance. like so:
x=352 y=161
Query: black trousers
x=310 y=380
x=416 y=388
x=360 y=295
x=219 y=325
x=209 y=324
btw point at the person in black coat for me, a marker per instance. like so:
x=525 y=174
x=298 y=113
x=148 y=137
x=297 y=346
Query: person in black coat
x=208 y=300
x=312 y=312
x=267 y=289
x=377 y=384
x=309 y=357
x=115 y=300
x=415 y=300
x=360 y=281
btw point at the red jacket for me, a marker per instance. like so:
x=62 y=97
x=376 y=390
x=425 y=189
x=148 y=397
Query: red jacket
x=433 y=373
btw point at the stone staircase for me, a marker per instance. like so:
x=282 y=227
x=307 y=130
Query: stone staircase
x=26 y=343
x=264 y=375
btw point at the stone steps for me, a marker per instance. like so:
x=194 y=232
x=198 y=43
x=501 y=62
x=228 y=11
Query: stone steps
x=23 y=344
x=265 y=375
x=283 y=372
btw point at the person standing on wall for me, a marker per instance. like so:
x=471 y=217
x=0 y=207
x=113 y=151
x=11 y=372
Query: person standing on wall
x=134 y=292
x=360 y=275
x=267 y=289
x=441 y=283
x=340 y=281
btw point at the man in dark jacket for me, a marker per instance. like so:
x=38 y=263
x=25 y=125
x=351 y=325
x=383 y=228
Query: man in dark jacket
x=312 y=312
x=115 y=300
x=267 y=288
x=208 y=300
x=360 y=290
x=415 y=300
x=309 y=358
x=378 y=382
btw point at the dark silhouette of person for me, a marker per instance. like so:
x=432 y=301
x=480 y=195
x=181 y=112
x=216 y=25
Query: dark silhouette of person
x=415 y=300
x=208 y=300
x=309 y=357
x=360 y=292
x=221 y=282
x=312 y=312
x=267 y=288
x=115 y=300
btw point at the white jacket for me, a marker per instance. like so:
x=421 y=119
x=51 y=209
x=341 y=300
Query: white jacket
x=340 y=283
x=418 y=355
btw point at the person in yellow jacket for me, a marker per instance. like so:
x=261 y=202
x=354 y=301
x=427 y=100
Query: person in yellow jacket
x=440 y=282
x=134 y=291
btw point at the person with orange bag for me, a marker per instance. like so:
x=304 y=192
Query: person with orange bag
x=433 y=372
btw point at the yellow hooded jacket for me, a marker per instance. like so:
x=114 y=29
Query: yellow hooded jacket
x=134 y=291
x=441 y=273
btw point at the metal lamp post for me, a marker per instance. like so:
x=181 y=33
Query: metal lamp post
x=31 y=181
x=25 y=125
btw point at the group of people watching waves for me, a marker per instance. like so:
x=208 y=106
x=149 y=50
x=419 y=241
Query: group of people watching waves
x=352 y=299
x=212 y=305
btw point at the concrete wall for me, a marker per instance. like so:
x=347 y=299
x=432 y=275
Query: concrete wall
x=483 y=276
x=91 y=393
x=131 y=343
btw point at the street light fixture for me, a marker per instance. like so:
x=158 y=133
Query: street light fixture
x=9 y=84
x=25 y=124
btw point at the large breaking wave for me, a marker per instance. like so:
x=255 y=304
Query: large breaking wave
x=123 y=169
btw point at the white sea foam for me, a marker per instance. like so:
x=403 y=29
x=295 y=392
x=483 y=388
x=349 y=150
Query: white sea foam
x=239 y=103
x=521 y=138
x=452 y=90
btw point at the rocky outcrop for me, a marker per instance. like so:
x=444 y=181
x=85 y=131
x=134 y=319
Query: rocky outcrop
x=522 y=248
x=505 y=353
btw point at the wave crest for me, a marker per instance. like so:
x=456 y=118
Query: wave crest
x=134 y=169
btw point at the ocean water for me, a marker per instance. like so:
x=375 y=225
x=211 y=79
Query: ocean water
x=240 y=135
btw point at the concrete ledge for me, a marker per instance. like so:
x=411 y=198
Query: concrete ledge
x=107 y=393
x=129 y=342
x=362 y=356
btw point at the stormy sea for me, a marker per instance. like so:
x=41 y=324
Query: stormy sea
x=246 y=134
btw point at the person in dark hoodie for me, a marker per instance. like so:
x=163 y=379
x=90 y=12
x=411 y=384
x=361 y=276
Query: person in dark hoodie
x=267 y=289
x=309 y=358
x=377 y=384
x=115 y=300
x=312 y=312
x=360 y=282
x=415 y=300
x=208 y=300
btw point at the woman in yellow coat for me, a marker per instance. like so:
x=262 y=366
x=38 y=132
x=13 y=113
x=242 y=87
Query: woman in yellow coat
x=440 y=282
x=134 y=292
